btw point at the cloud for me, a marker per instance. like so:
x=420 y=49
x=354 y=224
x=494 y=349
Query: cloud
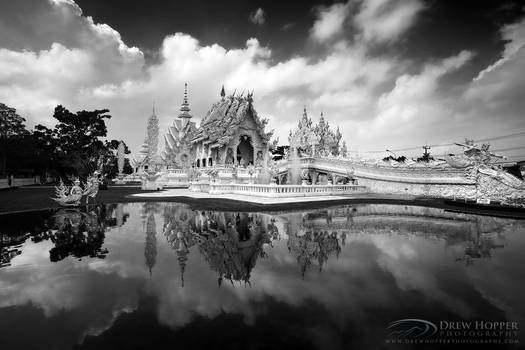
x=385 y=20
x=330 y=21
x=414 y=96
x=501 y=84
x=374 y=21
x=514 y=35
x=376 y=100
x=257 y=16
x=84 y=55
x=280 y=89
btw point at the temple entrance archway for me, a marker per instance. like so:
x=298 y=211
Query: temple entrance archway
x=245 y=151
x=184 y=160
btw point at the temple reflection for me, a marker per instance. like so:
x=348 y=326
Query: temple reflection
x=231 y=243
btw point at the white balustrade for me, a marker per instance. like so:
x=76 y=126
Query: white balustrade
x=276 y=190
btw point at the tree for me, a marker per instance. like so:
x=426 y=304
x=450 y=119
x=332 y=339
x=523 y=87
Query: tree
x=74 y=144
x=12 y=133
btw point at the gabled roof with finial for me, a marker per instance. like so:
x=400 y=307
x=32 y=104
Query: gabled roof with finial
x=221 y=122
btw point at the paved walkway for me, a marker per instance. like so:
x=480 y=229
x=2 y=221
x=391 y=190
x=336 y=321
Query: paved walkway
x=182 y=192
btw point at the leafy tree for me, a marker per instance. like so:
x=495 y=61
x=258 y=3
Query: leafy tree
x=12 y=133
x=74 y=145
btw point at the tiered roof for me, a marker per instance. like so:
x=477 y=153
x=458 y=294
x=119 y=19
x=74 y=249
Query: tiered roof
x=223 y=119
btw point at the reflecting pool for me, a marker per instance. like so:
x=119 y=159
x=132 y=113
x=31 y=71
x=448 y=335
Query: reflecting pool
x=149 y=275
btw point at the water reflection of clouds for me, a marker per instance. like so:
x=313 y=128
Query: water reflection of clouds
x=373 y=271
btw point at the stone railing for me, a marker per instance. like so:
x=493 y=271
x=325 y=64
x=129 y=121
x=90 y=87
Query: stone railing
x=276 y=190
x=199 y=186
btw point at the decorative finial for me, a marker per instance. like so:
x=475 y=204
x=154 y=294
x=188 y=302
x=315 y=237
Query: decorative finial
x=153 y=112
x=223 y=93
x=185 y=107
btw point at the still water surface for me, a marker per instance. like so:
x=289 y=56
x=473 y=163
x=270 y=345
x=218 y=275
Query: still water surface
x=141 y=275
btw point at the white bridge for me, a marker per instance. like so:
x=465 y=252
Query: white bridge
x=337 y=175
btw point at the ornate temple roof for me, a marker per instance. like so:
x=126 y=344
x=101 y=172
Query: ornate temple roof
x=225 y=116
x=306 y=134
x=182 y=130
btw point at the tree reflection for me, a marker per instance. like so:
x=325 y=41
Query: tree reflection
x=150 y=249
x=77 y=232
x=314 y=246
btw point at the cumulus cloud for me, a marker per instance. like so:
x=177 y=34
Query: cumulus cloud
x=330 y=21
x=84 y=55
x=258 y=16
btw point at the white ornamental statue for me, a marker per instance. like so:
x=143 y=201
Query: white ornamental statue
x=120 y=158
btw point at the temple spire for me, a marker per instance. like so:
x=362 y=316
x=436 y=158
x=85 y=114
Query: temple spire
x=185 y=107
x=223 y=93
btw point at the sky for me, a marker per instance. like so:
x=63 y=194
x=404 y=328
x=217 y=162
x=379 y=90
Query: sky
x=390 y=74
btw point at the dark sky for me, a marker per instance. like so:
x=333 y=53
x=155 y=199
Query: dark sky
x=444 y=27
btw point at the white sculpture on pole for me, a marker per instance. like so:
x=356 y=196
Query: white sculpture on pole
x=121 y=150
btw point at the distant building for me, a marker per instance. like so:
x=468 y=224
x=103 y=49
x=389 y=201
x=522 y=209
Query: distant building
x=148 y=154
